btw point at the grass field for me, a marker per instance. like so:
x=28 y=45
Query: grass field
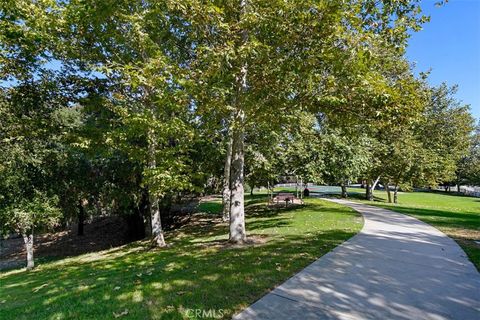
x=197 y=271
x=457 y=216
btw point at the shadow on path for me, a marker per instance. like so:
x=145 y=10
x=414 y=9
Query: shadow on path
x=397 y=267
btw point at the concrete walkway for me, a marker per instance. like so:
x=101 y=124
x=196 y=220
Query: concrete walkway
x=397 y=267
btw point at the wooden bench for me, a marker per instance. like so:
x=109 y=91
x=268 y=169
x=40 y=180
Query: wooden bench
x=287 y=197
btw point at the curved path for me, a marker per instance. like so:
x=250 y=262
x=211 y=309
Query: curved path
x=397 y=267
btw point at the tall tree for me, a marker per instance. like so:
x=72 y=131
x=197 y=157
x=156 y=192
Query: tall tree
x=468 y=168
x=346 y=157
x=248 y=61
x=134 y=46
x=445 y=133
x=264 y=60
x=30 y=98
x=30 y=148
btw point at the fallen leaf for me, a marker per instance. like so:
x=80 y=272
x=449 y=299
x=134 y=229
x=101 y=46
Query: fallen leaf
x=40 y=287
x=121 y=314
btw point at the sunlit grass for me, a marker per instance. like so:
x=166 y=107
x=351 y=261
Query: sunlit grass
x=197 y=271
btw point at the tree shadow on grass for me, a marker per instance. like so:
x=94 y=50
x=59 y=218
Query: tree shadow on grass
x=164 y=283
x=256 y=199
x=210 y=207
x=355 y=196
x=257 y=216
x=262 y=210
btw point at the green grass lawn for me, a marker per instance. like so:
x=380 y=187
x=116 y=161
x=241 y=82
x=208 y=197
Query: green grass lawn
x=457 y=216
x=197 y=271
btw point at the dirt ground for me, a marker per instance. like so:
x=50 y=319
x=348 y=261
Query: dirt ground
x=101 y=234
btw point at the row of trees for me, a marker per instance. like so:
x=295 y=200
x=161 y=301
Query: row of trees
x=125 y=107
x=436 y=146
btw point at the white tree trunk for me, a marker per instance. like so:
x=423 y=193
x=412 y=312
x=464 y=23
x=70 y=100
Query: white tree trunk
x=296 y=186
x=28 y=239
x=301 y=188
x=237 y=206
x=226 y=179
x=395 y=194
x=372 y=187
x=157 y=231
x=238 y=233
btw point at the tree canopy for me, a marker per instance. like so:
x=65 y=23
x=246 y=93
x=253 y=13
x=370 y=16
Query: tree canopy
x=134 y=105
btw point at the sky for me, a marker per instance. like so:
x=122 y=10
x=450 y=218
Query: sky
x=449 y=46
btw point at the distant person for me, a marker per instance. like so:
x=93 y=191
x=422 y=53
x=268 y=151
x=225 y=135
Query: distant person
x=306 y=192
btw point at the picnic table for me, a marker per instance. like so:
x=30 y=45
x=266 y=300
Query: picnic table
x=283 y=196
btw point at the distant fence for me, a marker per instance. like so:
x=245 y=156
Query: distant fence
x=313 y=188
x=291 y=185
x=470 y=191
x=466 y=190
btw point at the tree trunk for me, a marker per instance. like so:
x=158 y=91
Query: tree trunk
x=375 y=183
x=226 y=180
x=344 y=191
x=81 y=218
x=367 y=190
x=395 y=194
x=251 y=189
x=301 y=188
x=237 y=205
x=28 y=240
x=268 y=192
x=372 y=187
x=157 y=231
x=296 y=186
x=237 y=209
x=389 y=193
